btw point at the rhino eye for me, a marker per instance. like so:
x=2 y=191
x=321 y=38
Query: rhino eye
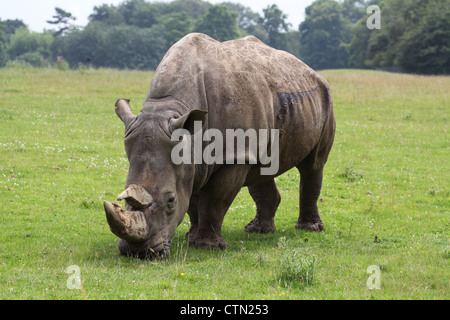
x=170 y=200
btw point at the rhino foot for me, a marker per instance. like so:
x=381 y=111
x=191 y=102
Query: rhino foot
x=214 y=242
x=310 y=226
x=192 y=232
x=258 y=226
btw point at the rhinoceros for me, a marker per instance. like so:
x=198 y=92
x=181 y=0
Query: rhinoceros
x=238 y=84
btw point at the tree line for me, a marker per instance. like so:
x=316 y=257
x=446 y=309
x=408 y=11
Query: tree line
x=414 y=35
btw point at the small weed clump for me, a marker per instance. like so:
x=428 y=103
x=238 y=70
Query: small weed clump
x=295 y=266
x=351 y=174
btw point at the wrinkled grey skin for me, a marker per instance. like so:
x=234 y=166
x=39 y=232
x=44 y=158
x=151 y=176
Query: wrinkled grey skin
x=235 y=84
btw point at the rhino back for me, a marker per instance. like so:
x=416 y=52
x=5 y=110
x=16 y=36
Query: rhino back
x=246 y=84
x=239 y=75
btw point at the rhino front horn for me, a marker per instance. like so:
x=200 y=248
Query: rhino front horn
x=128 y=225
x=136 y=196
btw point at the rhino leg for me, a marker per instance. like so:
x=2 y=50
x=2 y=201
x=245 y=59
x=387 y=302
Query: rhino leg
x=310 y=185
x=267 y=199
x=311 y=174
x=193 y=216
x=214 y=200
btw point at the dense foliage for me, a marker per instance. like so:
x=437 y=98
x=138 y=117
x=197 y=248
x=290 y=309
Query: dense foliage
x=414 y=35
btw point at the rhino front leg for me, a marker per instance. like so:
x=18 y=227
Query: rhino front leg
x=214 y=200
x=267 y=199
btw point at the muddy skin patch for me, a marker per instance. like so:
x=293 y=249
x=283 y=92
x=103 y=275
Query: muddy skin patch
x=288 y=99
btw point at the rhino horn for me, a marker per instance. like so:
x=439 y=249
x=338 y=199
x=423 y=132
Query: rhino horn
x=128 y=225
x=124 y=112
x=136 y=196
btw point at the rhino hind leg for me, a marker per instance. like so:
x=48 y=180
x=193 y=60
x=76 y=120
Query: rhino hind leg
x=310 y=186
x=267 y=199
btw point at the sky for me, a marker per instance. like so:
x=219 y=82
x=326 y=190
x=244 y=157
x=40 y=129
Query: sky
x=34 y=13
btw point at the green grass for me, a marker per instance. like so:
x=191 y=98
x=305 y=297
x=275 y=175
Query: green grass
x=384 y=202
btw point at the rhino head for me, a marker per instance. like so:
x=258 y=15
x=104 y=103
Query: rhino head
x=157 y=191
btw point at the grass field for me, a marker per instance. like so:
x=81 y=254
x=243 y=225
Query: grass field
x=384 y=202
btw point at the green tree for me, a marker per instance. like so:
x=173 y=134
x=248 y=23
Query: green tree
x=275 y=25
x=425 y=46
x=414 y=37
x=3 y=42
x=115 y=47
x=63 y=20
x=383 y=44
x=139 y=13
x=358 y=45
x=107 y=14
x=147 y=55
x=87 y=45
x=30 y=47
x=195 y=8
x=324 y=35
x=219 y=22
x=7 y=28
x=248 y=21
x=177 y=26
x=10 y=26
x=293 y=43
x=23 y=43
x=354 y=10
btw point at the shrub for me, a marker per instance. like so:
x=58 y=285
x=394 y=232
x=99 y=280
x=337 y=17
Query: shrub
x=33 y=58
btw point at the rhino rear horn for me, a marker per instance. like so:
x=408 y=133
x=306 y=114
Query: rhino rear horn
x=124 y=112
x=136 y=196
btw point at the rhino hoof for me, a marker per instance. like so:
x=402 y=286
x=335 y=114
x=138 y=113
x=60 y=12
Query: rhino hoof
x=208 y=243
x=256 y=226
x=310 y=226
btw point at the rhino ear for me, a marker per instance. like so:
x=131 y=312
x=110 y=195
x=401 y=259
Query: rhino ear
x=187 y=121
x=123 y=110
